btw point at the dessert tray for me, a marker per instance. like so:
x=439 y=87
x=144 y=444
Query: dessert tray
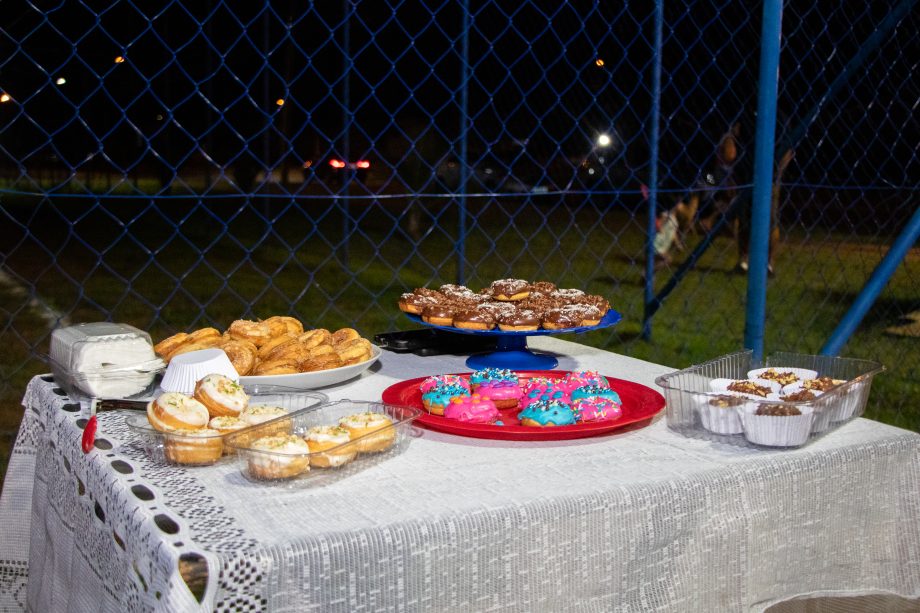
x=512 y=352
x=730 y=400
x=315 y=379
x=640 y=404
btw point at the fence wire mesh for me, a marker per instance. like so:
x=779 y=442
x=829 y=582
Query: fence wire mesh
x=175 y=166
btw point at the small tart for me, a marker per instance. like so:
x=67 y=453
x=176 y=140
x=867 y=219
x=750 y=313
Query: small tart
x=374 y=430
x=749 y=387
x=782 y=377
x=221 y=395
x=822 y=384
x=285 y=456
x=199 y=446
x=175 y=411
x=332 y=441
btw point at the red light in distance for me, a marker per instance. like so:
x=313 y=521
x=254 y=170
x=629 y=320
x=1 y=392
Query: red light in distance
x=363 y=164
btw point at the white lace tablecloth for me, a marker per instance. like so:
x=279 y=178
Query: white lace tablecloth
x=645 y=520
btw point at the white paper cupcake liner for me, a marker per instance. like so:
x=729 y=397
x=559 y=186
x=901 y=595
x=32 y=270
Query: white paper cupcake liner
x=185 y=370
x=720 y=420
x=775 y=430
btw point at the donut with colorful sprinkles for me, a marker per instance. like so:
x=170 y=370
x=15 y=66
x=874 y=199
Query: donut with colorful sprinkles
x=547 y=413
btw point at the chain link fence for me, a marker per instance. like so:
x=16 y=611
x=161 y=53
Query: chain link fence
x=174 y=167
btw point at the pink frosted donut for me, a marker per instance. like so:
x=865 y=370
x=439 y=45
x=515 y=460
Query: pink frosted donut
x=596 y=408
x=474 y=409
x=432 y=382
x=505 y=394
x=580 y=378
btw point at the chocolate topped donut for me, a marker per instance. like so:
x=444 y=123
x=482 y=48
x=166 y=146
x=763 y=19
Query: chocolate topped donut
x=431 y=293
x=438 y=314
x=474 y=319
x=414 y=303
x=456 y=291
x=496 y=309
x=561 y=317
x=510 y=289
x=519 y=319
x=544 y=287
x=568 y=295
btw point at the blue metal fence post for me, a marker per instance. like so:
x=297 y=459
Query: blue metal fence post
x=653 y=174
x=771 y=34
x=874 y=286
x=464 y=127
x=346 y=130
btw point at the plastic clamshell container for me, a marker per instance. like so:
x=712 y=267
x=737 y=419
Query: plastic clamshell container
x=104 y=360
x=314 y=468
x=201 y=450
x=689 y=393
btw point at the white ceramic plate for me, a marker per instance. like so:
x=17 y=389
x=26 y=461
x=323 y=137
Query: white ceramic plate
x=315 y=379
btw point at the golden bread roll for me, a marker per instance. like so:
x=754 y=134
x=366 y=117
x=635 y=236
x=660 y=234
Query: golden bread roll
x=256 y=332
x=282 y=366
x=322 y=362
x=312 y=338
x=203 y=335
x=242 y=355
x=168 y=345
x=187 y=347
x=321 y=350
x=357 y=360
x=274 y=343
x=343 y=335
x=350 y=350
x=282 y=324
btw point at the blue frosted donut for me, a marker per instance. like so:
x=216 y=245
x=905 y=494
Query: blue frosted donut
x=547 y=413
x=487 y=375
x=437 y=398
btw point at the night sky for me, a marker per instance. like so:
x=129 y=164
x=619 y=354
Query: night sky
x=200 y=84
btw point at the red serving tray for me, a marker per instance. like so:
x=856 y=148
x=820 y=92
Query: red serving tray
x=640 y=404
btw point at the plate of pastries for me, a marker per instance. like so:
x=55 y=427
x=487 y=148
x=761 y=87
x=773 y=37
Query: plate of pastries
x=509 y=305
x=280 y=351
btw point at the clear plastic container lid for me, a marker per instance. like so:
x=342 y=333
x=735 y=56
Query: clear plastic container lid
x=103 y=359
x=102 y=347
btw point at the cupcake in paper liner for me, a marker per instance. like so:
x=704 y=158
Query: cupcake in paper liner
x=757 y=388
x=776 y=425
x=822 y=410
x=719 y=412
x=844 y=402
x=784 y=375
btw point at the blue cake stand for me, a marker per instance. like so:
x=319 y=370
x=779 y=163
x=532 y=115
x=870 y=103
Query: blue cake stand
x=512 y=352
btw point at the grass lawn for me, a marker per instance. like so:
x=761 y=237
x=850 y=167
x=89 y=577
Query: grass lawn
x=184 y=264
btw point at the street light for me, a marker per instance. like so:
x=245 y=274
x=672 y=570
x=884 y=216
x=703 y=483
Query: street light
x=603 y=140
x=5 y=97
x=61 y=81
